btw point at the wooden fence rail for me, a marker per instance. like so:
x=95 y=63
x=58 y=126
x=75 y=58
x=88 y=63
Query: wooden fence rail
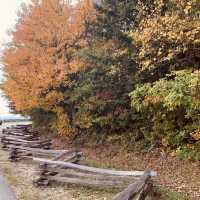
x=62 y=165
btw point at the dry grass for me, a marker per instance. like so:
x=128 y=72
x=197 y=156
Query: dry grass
x=21 y=175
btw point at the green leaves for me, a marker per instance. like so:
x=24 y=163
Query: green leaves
x=173 y=105
x=171 y=94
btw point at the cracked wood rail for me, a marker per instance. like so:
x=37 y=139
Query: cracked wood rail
x=93 y=169
x=97 y=177
x=137 y=190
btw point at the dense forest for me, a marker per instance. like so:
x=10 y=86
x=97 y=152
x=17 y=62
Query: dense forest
x=123 y=70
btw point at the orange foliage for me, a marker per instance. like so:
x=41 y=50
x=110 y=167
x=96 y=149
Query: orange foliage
x=196 y=135
x=43 y=52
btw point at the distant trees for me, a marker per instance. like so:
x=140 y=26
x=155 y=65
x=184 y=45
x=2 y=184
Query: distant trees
x=129 y=68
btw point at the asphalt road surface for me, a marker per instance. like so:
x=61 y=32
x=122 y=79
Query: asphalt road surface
x=5 y=192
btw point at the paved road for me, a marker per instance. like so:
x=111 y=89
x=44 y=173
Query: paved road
x=5 y=192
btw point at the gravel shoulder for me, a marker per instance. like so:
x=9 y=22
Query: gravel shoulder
x=21 y=175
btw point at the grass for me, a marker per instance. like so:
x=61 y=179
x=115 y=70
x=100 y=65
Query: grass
x=166 y=194
x=20 y=179
x=159 y=193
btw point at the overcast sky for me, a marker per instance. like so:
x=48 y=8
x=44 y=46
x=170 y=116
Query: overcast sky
x=8 y=17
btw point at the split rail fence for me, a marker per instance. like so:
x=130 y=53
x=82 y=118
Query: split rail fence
x=22 y=142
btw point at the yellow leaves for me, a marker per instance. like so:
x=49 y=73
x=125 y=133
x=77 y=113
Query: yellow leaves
x=152 y=100
x=84 y=120
x=187 y=9
x=196 y=135
x=170 y=55
x=51 y=100
x=165 y=142
x=197 y=42
x=63 y=123
x=189 y=5
x=160 y=38
x=76 y=65
x=146 y=64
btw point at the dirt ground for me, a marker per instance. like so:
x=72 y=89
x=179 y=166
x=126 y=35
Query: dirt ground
x=20 y=176
x=173 y=175
x=182 y=176
x=177 y=175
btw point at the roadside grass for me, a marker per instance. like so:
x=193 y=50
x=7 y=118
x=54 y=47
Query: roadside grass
x=159 y=193
x=20 y=176
x=166 y=194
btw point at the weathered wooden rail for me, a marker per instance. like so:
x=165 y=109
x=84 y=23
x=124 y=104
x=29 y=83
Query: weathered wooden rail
x=17 y=138
x=63 y=166
x=136 y=184
x=137 y=190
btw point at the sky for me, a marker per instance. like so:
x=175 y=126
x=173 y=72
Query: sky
x=8 y=18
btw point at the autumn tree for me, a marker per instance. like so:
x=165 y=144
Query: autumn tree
x=105 y=86
x=167 y=95
x=102 y=101
x=119 y=69
x=42 y=54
